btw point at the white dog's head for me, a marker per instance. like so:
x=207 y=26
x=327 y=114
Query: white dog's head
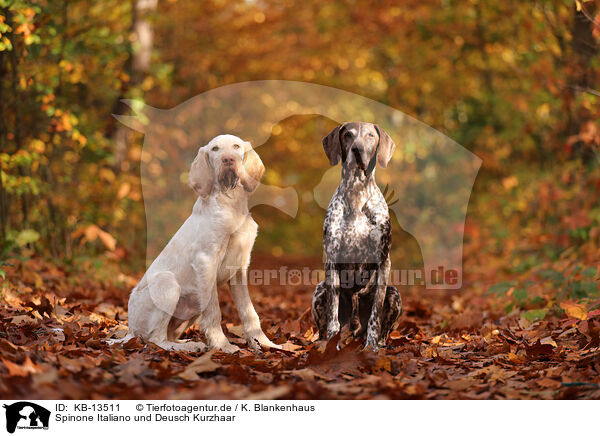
x=223 y=163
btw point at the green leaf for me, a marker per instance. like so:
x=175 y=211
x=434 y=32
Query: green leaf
x=500 y=288
x=27 y=236
x=589 y=272
x=526 y=264
x=554 y=276
x=520 y=295
x=535 y=314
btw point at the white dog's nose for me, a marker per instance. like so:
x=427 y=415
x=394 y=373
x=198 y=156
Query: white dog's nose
x=228 y=161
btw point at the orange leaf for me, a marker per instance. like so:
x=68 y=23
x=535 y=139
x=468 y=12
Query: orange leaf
x=108 y=240
x=384 y=363
x=516 y=359
x=124 y=190
x=93 y=232
x=14 y=369
x=288 y=346
x=574 y=310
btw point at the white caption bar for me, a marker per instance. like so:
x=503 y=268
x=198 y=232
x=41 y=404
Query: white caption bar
x=24 y=417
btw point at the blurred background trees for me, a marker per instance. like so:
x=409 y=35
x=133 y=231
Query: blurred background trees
x=514 y=82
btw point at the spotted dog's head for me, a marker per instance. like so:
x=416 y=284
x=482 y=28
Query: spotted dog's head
x=359 y=145
x=223 y=163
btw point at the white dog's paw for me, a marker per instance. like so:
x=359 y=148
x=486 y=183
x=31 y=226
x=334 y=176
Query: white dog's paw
x=256 y=341
x=270 y=344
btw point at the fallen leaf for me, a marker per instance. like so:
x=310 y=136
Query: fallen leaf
x=236 y=330
x=574 y=310
x=28 y=367
x=548 y=340
x=290 y=346
x=201 y=365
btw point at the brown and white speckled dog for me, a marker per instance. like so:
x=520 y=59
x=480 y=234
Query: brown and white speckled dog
x=357 y=240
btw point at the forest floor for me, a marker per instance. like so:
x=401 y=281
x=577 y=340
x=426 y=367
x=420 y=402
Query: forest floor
x=449 y=345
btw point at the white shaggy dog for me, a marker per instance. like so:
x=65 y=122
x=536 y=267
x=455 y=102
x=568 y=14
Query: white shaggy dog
x=211 y=248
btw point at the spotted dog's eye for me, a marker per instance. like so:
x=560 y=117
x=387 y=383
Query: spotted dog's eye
x=236 y=146
x=215 y=148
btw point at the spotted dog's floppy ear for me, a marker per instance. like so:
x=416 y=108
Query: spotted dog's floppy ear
x=386 y=147
x=253 y=168
x=201 y=176
x=332 y=144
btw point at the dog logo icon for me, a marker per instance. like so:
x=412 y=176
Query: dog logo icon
x=26 y=415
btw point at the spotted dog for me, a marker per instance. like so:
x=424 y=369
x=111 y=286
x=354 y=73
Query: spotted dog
x=357 y=240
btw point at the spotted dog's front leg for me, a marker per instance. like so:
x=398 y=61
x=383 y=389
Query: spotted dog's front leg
x=374 y=325
x=374 y=329
x=355 y=326
x=319 y=308
x=333 y=301
x=392 y=309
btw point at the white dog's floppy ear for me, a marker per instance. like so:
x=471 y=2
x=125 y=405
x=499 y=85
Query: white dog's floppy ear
x=386 y=147
x=253 y=168
x=201 y=177
x=332 y=144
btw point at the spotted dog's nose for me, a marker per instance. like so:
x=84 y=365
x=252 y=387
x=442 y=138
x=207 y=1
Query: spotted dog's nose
x=359 y=154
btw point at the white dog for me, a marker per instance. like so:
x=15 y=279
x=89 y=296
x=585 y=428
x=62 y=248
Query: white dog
x=211 y=248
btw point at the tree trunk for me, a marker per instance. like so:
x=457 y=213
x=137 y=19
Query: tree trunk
x=3 y=200
x=137 y=65
x=583 y=76
x=16 y=108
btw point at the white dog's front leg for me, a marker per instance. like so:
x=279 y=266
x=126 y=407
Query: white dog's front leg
x=210 y=322
x=253 y=333
x=210 y=312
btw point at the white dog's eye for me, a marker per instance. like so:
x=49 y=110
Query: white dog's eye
x=215 y=148
x=370 y=135
x=236 y=146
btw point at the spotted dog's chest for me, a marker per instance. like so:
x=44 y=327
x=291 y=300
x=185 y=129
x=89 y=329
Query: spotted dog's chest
x=358 y=232
x=356 y=236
